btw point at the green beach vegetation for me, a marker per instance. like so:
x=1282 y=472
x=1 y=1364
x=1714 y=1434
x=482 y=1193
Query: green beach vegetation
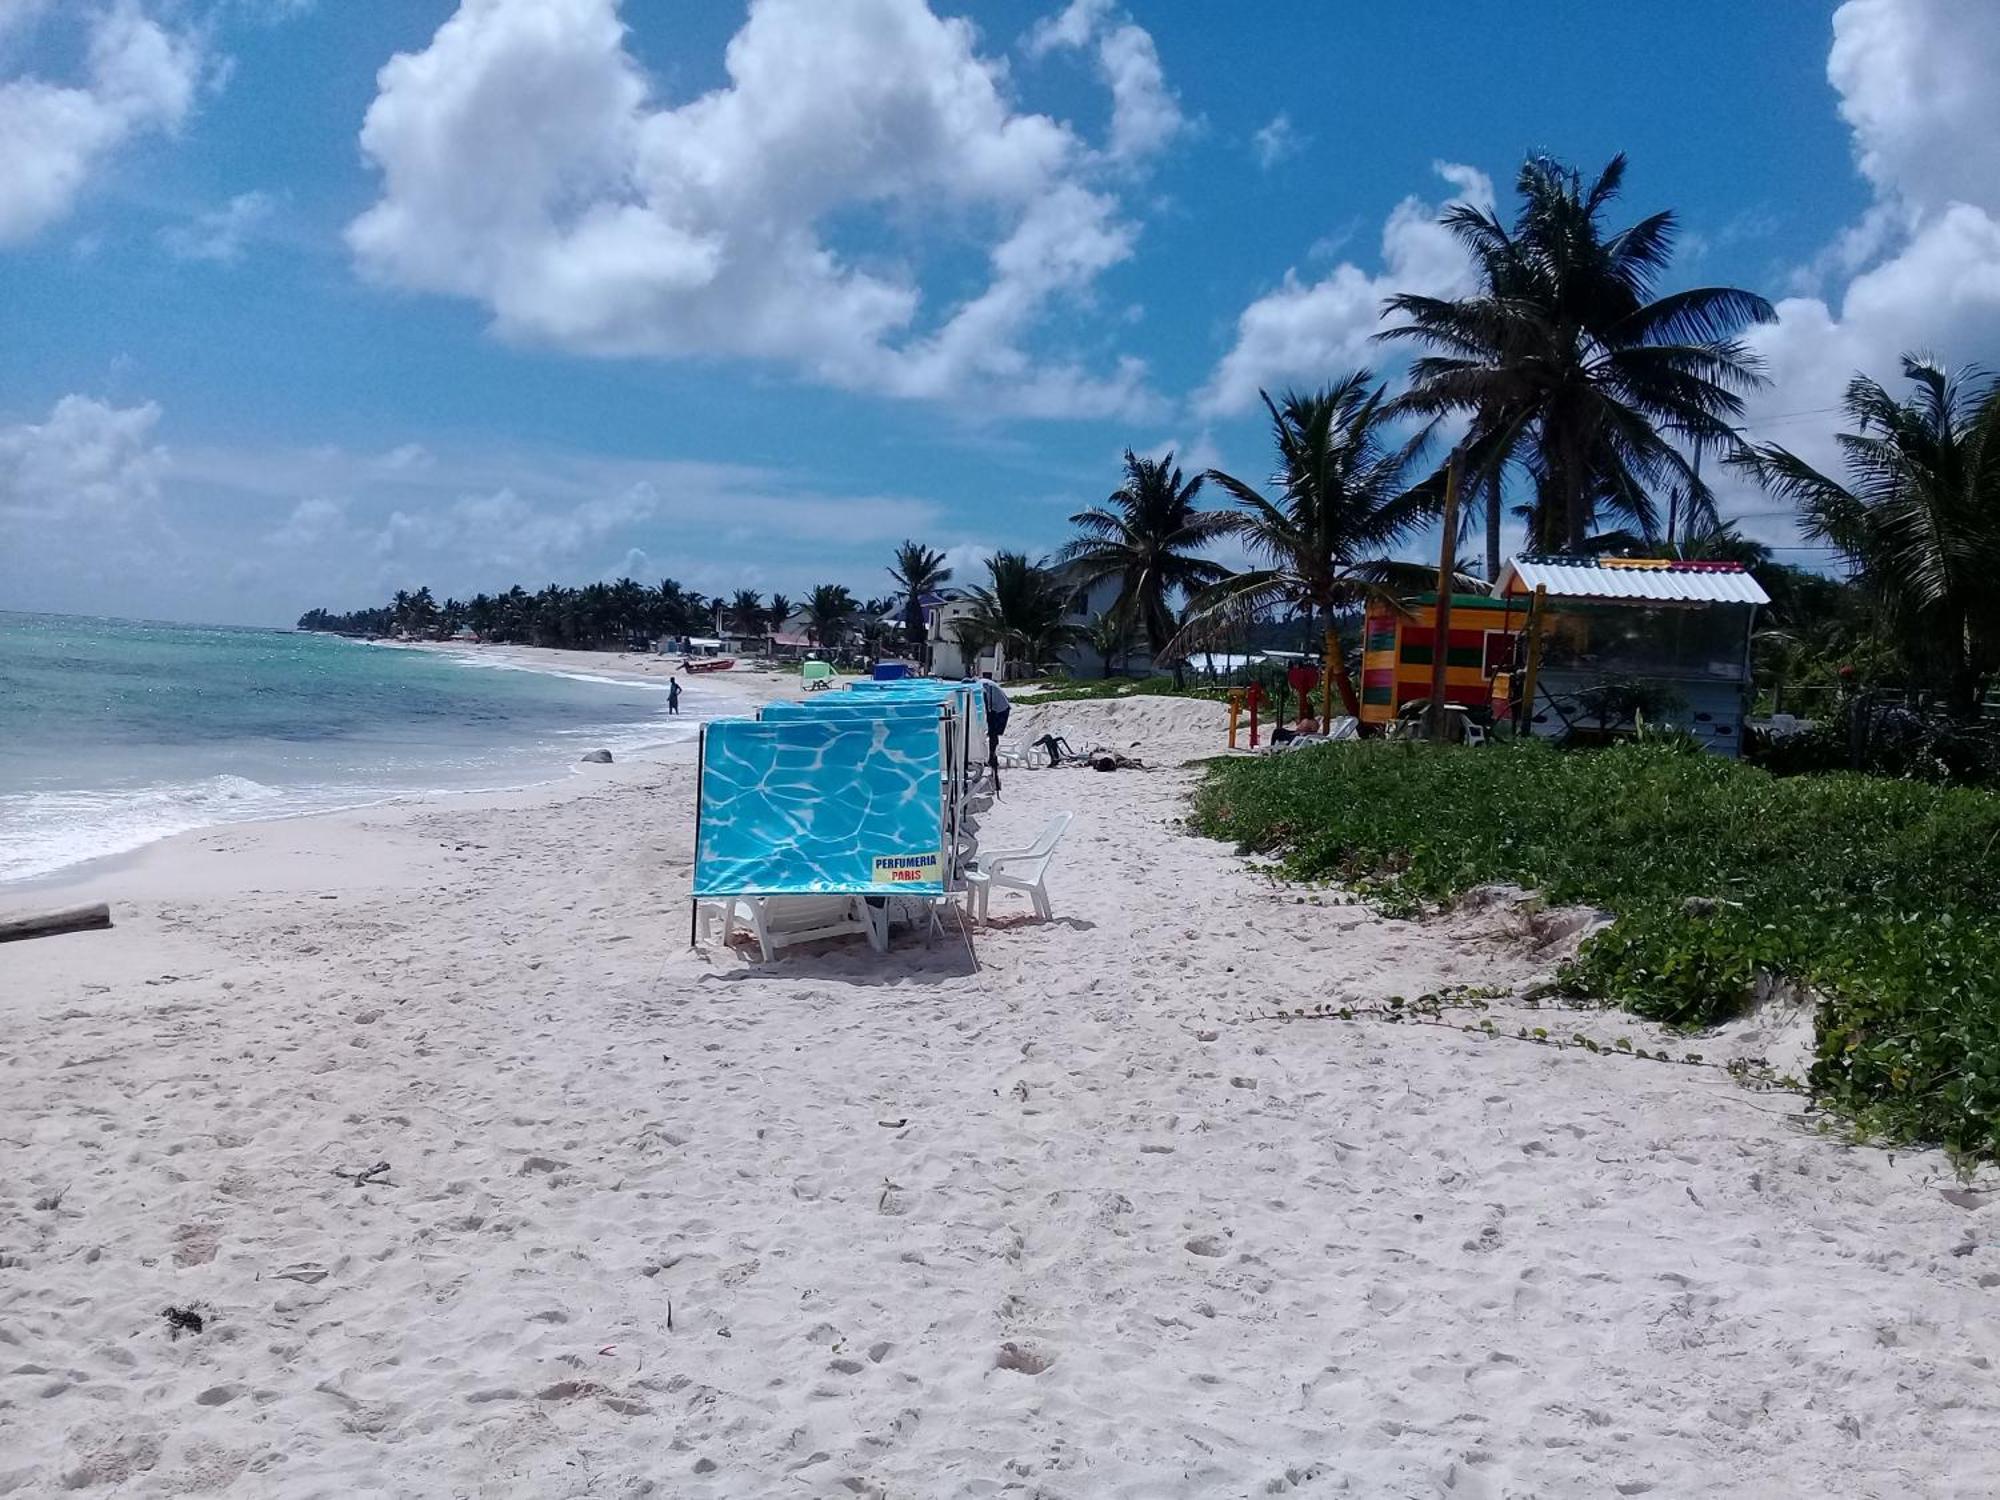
x=1879 y=895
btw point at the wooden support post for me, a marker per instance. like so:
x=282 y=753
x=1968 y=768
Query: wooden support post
x=1447 y=570
x=48 y=924
x=1538 y=612
x=694 y=903
x=1235 y=709
x=1329 y=667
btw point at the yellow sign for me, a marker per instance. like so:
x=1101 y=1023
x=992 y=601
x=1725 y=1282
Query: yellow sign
x=906 y=869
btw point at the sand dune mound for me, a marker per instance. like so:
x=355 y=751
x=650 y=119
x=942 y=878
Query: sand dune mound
x=1162 y=731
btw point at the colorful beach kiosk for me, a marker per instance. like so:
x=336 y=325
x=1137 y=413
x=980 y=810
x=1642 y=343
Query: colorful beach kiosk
x=1621 y=639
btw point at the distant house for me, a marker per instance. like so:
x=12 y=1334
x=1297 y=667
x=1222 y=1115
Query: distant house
x=943 y=613
x=1082 y=659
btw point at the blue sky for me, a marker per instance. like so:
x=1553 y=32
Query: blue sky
x=308 y=302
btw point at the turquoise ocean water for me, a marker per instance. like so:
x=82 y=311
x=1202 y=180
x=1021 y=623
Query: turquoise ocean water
x=114 y=734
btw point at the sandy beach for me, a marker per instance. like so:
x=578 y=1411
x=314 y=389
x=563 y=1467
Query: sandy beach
x=1048 y=1213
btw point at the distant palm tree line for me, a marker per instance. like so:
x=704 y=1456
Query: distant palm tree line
x=1571 y=382
x=600 y=615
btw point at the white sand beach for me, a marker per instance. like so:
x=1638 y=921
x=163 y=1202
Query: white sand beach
x=1054 y=1217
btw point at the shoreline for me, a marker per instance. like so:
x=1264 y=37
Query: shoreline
x=745 y=692
x=619 y=666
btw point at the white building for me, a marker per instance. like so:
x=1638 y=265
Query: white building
x=1081 y=660
x=942 y=612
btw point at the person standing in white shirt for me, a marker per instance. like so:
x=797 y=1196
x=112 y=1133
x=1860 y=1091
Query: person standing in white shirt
x=997 y=709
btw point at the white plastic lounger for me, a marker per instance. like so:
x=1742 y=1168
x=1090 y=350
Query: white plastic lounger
x=778 y=921
x=1016 y=870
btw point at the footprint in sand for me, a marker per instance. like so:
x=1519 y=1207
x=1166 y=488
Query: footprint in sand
x=1023 y=1359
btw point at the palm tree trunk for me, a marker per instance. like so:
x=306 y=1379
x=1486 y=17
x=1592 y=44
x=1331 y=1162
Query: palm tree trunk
x=1334 y=672
x=1493 y=519
x=1964 y=674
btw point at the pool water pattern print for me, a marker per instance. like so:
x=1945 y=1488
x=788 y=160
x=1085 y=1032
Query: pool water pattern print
x=813 y=807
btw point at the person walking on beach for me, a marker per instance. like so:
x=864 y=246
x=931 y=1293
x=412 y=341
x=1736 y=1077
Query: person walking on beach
x=997 y=709
x=673 y=695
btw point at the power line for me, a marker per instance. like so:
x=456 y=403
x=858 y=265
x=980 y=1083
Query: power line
x=1789 y=416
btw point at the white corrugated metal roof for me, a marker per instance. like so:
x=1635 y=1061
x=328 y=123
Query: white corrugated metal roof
x=1632 y=578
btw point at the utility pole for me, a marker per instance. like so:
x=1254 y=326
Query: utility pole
x=1447 y=568
x=1538 y=614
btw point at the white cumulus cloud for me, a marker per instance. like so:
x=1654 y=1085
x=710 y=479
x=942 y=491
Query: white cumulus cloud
x=1917 y=83
x=220 y=236
x=1316 y=331
x=137 y=76
x=1921 y=268
x=1276 y=141
x=526 y=165
x=88 y=460
x=1145 y=114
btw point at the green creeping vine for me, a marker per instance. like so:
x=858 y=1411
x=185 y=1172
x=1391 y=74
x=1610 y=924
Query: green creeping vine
x=1883 y=897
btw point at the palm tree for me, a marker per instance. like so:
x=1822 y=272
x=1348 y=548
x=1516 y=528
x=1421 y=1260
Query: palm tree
x=1918 y=519
x=1148 y=536
x=1569 y=366
x=1024 y=606
x=1110 y=635
x=828 y=609
x=780 y=611
x=1344 y=498
x=918 y=570
x=670 y=608
x=746 y=612
x=1720 y=541
x=422 y=612
x=972 y=637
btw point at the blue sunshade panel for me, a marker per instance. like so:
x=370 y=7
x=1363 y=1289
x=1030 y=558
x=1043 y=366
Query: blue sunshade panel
x=835 y=807
x=967 y=698
x=831 y=707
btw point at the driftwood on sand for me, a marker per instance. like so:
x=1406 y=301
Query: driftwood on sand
x=49 y=923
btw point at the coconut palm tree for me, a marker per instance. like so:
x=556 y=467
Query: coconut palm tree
x=1345 y=497
x=1567 y=363
x=1110 y=636
x=746 y=612
x=970 y=634
x=1720 y=541
x=1148 y=536
x=918 y=570
x=1918 y=518
x=1024 y=606
x=780 y=611
x=420 y=612
x=829 y=610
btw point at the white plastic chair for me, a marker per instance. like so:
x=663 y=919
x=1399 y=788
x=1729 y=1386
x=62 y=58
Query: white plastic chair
x=1017 y=870
x=777 y=921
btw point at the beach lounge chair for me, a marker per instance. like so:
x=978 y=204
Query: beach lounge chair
x=816 y=674
x=778 y=921
x=1016 y=870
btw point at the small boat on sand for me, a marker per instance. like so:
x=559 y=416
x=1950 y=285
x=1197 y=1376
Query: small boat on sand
x=709 y=664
